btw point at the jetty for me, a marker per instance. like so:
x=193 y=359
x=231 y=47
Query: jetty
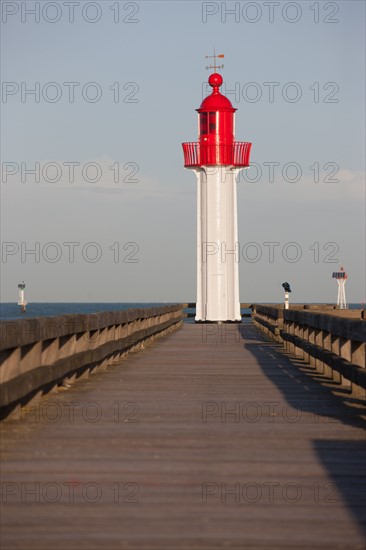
x=138 y=430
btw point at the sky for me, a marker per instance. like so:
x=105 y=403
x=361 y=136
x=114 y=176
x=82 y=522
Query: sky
x=97 y=98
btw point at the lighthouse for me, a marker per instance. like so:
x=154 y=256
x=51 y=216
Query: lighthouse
x=217 y=158
x=341 y=277
x=21 y=298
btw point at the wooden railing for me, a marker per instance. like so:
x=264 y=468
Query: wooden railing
x=41 y=353
x=334 y=342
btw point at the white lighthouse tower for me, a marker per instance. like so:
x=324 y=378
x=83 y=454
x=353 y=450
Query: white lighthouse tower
x=341 y=277
x=216 y=160
x=21 y=299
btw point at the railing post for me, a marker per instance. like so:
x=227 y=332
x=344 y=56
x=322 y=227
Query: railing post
x=306 y=337
x=312 y=360
x=318 y=341
x=327 y=345
x=298 y=332
x=358 y=354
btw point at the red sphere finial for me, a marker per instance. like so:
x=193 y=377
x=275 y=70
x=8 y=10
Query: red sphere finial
x=215 y=80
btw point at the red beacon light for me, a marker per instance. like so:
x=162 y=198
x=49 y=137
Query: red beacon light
x=216 y=141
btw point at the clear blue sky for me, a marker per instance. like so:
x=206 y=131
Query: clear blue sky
x=299 y=88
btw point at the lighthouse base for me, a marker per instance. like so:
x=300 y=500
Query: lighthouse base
x=197 y=320
x=217 y=245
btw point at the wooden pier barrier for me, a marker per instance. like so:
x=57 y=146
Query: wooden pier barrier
x=333 y=341
x=36 y=355
x=190 y=309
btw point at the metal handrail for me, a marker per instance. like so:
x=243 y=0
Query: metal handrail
x=236 y=154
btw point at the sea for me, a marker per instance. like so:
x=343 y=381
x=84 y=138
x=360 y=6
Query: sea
x=10 y=310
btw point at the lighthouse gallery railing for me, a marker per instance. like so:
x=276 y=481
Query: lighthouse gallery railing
x=196 y=154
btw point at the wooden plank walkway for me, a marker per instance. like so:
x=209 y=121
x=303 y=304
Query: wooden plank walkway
x=204 y=440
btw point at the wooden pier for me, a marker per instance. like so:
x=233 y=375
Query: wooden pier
x=211 y=437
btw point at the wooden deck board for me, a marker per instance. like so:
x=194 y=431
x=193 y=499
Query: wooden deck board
x=295 y=454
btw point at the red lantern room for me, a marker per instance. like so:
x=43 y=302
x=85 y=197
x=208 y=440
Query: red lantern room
x=216 y=145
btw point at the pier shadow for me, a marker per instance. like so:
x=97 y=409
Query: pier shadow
x=303 y=387
x=307 y=391
x=345 y=463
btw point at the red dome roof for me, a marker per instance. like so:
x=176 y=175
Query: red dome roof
x=216 y=101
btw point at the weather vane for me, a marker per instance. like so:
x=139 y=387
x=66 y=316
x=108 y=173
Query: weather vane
x=214 y=57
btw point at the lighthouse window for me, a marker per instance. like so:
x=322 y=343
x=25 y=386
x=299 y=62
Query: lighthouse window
x=212 y=123
x=208 y=123
x=204 y=123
